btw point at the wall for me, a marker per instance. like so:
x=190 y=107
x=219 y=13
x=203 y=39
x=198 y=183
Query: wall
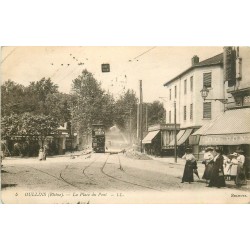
x=244 y=53
x=194 y=97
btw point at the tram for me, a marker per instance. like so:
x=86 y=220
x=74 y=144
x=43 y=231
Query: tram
x=98 y=138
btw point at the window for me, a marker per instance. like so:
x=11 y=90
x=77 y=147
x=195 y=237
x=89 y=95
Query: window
x=170 y=94
x=207 y=107
x=185 y=113
x=207 y=80
x=191 y=111
x=175 y=91
x=185 y=87
x=169 y=116
x=191 y=83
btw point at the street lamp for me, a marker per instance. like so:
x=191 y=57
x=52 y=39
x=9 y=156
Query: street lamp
x=204 y=94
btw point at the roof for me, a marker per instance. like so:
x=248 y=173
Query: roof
x=215 y=60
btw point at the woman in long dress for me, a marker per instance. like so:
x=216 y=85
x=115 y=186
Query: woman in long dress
x=40 y=154
x=227 y=167
x=217 y=178
x=188 y=174
x=241 y=175
x=208 y=161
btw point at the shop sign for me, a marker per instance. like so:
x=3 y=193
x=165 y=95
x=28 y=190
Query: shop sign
x=168 y=126
x=233 y=139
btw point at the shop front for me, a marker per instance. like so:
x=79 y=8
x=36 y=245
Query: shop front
x=158 y=138
x=182 y=141
x=230 y=131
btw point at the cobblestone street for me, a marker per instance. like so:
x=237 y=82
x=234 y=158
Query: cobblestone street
x=108 y=178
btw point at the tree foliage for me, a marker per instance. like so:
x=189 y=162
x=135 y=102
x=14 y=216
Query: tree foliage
x=28 y=126
x=156 y=113
x=126 y=109
x=90 y=103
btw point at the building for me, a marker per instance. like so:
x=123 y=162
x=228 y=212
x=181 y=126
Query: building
x=158 y=137
x=183 y=94
x=231 y=130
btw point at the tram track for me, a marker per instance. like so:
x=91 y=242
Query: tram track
x=59 y=179
x=63 y=179
x=177 y=183
x=124 y=181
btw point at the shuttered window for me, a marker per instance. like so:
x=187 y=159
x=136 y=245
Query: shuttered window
x=191 y=111
x=169 y=116
x=170 y=94
x=207 y=108
x=185 y=113
x=207 y=80
x=175 y=91
x=191 y=83
x=185 y=87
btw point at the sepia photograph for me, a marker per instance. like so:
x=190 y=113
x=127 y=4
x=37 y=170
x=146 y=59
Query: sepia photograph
x=125 y=125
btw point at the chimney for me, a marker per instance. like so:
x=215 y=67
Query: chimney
x=195 y=60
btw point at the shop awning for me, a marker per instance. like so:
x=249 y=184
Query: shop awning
x=185 y=136
x=181 y=137
x=150 y=136
x=231 y=128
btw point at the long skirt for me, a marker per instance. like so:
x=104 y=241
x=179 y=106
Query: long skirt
x=241 y=176
x=217 y=179
x=188 y=175
x=40 y=156
x=208 y=171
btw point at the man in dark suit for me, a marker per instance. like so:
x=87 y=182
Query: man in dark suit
x=217 y=175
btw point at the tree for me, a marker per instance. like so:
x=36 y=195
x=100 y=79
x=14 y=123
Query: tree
x=12 y=98
x=57 y=105
x=156 y=113
x=17 y=99
x=90 y=103
x=10 y=126
x=38 y=93
x=39 y=126
x=126 y=113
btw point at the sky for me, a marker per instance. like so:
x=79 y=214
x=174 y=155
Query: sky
x=129 y=64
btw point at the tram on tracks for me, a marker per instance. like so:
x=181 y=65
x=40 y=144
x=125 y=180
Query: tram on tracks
x=98 y=138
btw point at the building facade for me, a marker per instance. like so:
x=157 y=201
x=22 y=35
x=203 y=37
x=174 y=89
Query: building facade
x=183 y=92
x=231 y=130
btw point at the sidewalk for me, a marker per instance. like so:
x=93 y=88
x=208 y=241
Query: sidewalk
x=171 y=160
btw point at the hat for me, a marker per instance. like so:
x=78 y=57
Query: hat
x=209 y=149
x=239 y=150
x=234 y=154
x=218 y=150
x=188 y=150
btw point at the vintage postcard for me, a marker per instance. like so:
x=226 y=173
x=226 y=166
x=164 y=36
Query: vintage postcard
x=125 y=125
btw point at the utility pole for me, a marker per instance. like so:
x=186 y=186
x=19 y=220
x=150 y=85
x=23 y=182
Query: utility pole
x=137 y=123
x=130 y=127
x=141 y=115
x=175 y=132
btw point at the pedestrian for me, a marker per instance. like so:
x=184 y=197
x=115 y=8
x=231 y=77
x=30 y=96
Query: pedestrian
x=44 y=152
x=190 y=165
x=40 y=154
x=217 y=176
x=208 y=161
x=233 y=163
x=227 y=167
x=241 y=174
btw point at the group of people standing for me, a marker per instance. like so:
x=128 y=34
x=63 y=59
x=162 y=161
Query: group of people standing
x=218 y=167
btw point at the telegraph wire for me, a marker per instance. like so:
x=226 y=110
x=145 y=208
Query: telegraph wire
x=144 y=52
x=8 y=55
